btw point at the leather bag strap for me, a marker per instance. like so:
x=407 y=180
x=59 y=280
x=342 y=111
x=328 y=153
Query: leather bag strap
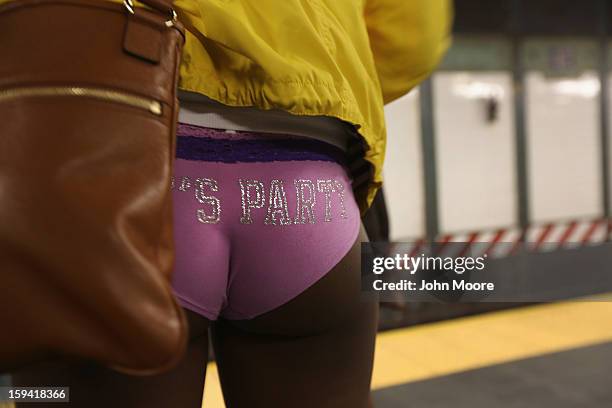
x=163 y=6
x=141 y=39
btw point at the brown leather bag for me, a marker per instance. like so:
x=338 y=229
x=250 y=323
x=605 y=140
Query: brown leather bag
x=88 y=111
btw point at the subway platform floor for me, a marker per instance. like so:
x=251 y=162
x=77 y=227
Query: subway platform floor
x=553 y=355
x=569 y=379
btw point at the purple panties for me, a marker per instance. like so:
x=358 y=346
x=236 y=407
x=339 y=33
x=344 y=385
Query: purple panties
x=258 y=219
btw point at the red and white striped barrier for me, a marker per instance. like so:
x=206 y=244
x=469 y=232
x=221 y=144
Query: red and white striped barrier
x=506 y=241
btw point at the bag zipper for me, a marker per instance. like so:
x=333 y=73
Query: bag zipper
x=150 y=105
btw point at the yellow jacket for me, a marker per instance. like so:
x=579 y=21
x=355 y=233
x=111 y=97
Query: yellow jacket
x=340 y=58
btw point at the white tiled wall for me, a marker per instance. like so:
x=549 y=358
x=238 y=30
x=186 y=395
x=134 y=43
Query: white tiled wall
x=564 y=147
x=476 y=162
x=403 y=170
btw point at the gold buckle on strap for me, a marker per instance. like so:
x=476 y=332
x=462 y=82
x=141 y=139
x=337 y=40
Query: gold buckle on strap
x=173 y=18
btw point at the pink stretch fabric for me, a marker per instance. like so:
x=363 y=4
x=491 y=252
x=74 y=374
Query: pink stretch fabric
x=228 y=267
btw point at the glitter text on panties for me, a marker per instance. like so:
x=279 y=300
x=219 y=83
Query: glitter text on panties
x=272 y=201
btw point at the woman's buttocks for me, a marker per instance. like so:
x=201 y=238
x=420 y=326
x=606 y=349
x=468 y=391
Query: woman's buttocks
x=259 y=218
